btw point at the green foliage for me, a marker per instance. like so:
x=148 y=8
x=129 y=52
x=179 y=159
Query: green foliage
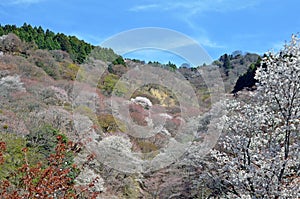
x=53 y=178
x=226 y=64
x=247 y=79
x=157 y=94
x=217 y=63
x=78 y=49
x=13 y=155
x=137 y=61
x=109 y=124
x=171 y=66
x=43 y=139
x=155 y=63
x=131 y=189
x=148 y=149
x=69 y=70
x=108 y=85
x=104 y=54
x=119 y=60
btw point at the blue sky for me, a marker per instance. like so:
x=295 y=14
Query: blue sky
x=220 y=26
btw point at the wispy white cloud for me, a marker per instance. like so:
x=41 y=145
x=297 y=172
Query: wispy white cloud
x=202 y=35
x=144 y=7
x=19 y=2
x=206 y=42
x=186 y=10
x=195 y=7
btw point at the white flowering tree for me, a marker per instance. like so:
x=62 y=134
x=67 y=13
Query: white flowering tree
x=258 y=156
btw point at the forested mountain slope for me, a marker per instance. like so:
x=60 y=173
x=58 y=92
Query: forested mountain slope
x=57 y=91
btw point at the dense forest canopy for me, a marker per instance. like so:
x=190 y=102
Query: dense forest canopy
x=78 y=49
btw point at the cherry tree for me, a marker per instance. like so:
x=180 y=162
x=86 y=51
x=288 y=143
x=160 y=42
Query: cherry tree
x=258 y=156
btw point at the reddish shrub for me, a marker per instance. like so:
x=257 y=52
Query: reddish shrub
x=138 y=114
x=51 y=181
x=2 y=149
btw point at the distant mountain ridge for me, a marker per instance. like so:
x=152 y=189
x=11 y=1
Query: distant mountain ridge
x=237 y=69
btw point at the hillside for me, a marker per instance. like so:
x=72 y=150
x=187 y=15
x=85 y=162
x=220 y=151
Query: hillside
x=38 y=38
x=49 y=86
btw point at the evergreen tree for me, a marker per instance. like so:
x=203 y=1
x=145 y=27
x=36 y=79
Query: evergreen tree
x=78 y=49
x=226 y=64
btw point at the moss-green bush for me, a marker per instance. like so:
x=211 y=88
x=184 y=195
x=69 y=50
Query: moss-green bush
x=5 y=126
x=131 y=189
x=69 y=70
x=148 y=149
x=104 y=54
x=110 y=124
x=108 y=85
x=43 y=139
x=13 y=156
